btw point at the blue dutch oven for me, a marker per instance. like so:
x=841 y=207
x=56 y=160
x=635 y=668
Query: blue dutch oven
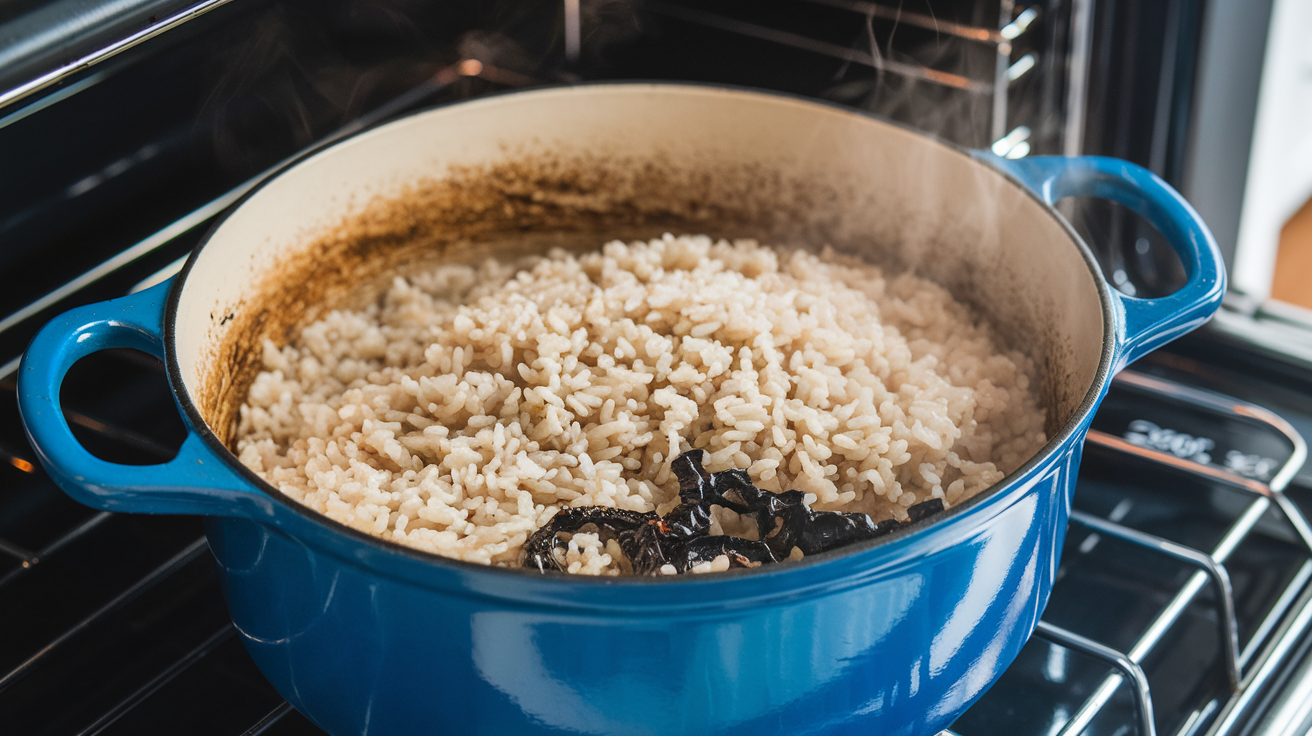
x=896 y=636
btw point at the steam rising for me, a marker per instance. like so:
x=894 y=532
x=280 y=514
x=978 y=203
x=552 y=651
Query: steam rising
x=949 y=111
x=297 y=80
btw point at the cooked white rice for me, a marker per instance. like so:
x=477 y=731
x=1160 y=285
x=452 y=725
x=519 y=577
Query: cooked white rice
x=463 y=409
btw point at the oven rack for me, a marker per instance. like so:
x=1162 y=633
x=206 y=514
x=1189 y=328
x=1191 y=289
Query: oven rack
x=1247 y=670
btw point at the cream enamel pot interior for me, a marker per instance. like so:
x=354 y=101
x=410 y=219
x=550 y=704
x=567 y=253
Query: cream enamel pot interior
x=896 y=636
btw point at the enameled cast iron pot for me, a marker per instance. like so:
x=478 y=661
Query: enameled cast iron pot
x=897 y=636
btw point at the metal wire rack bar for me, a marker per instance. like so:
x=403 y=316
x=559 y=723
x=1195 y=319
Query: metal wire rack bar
x=76 y=532
x=920 y=20
x=1142 y=695
x=1077 y=75
x=1002 y=65
x=26 y=557
x=1225 y=603
x=806 y=43
x=273 y=716
x=126 y=257
x=1257 y=489
x=124 y=435
x=51 y=78
x=212 y=642
x=1226 y=405
x=1265 y=630
x=54 y=546
x=186 y=555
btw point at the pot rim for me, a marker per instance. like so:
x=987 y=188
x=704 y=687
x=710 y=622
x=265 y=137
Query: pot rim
x=912 y=541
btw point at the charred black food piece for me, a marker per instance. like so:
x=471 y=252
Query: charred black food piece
x=682 y=537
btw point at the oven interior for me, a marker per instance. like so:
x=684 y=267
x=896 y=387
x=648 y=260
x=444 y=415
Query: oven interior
x=1186 y=585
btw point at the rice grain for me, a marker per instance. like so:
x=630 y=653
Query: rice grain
x=466 y=406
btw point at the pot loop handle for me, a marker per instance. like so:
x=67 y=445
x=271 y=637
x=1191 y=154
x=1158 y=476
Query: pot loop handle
x=1145 y=324
x=196 y=481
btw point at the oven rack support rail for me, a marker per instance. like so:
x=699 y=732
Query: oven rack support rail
x=69 y=69
x=1266 y=644
x=1012 y=141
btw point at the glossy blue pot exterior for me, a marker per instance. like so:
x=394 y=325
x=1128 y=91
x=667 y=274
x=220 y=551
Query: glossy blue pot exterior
x=899 y=636
x=854 y=645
